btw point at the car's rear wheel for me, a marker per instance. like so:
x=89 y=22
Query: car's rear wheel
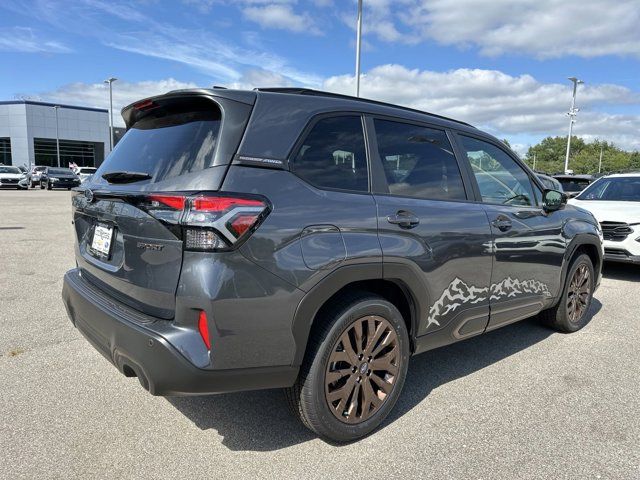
x=354 y=368
x=570 y=314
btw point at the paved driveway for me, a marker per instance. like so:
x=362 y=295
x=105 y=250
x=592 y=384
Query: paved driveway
x=520 y=402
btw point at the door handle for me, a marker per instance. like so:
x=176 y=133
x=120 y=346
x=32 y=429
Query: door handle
x=404 y=219
x=502 y=223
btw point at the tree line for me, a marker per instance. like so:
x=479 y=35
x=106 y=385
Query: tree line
x=550 y=154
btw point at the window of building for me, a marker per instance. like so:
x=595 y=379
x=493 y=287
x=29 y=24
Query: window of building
x=500 y=178
x=5 y=150
x=83 y=154
x=418 y=161
x=333 y=155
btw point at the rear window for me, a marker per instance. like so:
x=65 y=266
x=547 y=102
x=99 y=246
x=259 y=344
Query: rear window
x=333 y=155
x=168 y=143
x=573 y=184
x=59 y=171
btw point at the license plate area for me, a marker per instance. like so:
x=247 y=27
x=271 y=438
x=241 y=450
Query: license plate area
x=102 y=240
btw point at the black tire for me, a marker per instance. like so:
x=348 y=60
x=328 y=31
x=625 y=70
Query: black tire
x=559 y=317
x=49 y=187
x=41 y=186
x=309 y=397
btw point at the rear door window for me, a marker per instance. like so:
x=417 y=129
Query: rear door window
x=418 y=161
x=333 y=155
x=168 y=143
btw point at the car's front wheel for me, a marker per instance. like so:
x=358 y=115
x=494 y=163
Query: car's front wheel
x=354 y=368
x=570 y=314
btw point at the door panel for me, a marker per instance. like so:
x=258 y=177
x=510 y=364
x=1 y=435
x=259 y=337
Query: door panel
x=451 y=248
x=528 y=242
x=426 y=222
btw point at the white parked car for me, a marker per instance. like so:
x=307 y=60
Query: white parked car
x=12 y=177
x=615 y=202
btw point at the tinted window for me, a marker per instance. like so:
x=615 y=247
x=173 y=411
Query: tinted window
x=9 y=169
x=623 y=189
x=333 y=155
x=167 y=144
x=574 y=184
x=418 y=161
x=59 y=171
x=500 y=178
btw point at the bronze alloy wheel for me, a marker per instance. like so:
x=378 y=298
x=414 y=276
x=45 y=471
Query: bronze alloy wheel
x=362 y=370
x=579 y=292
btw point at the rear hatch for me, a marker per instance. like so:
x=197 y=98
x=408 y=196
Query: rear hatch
x=128 y=216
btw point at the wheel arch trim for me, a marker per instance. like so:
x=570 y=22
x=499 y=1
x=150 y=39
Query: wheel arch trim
x=340 y=278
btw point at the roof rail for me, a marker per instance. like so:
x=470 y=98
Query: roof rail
x=320 y=93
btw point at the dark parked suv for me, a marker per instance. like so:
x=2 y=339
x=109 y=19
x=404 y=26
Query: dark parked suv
x=239 y=240
x=53 y=177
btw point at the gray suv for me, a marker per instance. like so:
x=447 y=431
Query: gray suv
x=290 y=238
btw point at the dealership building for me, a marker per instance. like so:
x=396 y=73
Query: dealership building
x=28 y=132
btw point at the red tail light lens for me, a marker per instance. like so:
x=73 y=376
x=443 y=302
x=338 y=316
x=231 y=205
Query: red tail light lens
x=209 y=222
x=173 y=201
x=221 y=204
x=203 y=328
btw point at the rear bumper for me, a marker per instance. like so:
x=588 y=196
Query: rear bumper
x=137 y=350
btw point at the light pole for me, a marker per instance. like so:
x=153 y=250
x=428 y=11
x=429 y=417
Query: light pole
x=110 y=81
x=573 y=111
x=600 y=162
x=55 y=108
x=358 y=47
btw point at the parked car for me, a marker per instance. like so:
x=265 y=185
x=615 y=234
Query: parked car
x=11 y=177
x=239 y=240
x=550 y=182
x=56 y=177
x=615 y=201
x=572 y=185
x=35 y=174
x=85 y=172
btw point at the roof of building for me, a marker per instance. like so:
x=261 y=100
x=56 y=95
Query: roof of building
x=47 y=104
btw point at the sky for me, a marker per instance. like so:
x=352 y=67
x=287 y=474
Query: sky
x=501 y=65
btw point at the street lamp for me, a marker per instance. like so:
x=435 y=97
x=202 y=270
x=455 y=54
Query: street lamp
x=573 y=111
x=358 y=47
x=110 y=80
x=55 y=108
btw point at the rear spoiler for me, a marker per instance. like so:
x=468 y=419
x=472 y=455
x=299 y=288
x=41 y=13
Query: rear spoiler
x=134 y=111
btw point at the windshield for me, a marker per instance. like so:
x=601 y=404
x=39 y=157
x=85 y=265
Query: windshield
x=573 y=184
x=59 y=171
x=167 y=144
x=5 y=169
x=621 y=189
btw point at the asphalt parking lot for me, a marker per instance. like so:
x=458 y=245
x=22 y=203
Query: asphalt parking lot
x=520 y=402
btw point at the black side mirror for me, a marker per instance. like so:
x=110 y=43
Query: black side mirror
x=553 y=200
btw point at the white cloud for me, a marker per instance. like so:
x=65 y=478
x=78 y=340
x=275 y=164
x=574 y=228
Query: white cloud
x=25 y=40
x=505 y=105
x=260 y=78
x=542 y=28
x=282 y=17
x=139 y=33
x=97 y=94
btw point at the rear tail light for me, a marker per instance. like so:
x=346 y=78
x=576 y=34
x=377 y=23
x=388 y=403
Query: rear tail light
x=203 y=328
x=209 y=222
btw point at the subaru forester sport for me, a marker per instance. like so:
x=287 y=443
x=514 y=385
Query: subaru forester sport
x=290 y=238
